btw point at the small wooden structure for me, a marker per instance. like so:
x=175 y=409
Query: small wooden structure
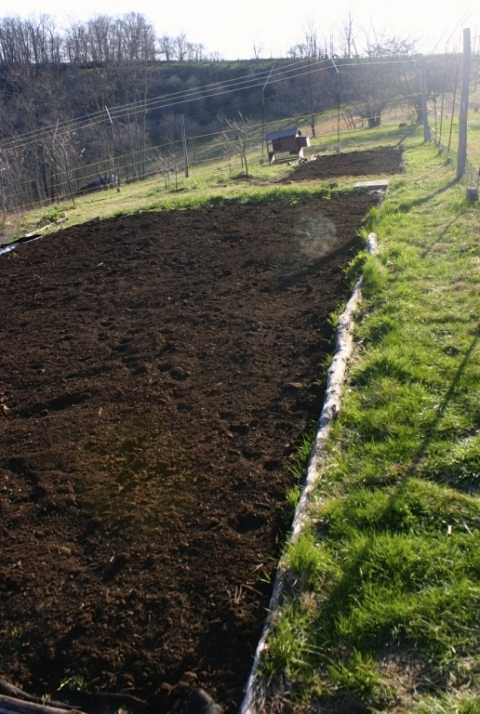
x=288 y=140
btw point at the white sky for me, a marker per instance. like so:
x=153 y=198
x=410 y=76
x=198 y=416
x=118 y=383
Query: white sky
x=233 y=28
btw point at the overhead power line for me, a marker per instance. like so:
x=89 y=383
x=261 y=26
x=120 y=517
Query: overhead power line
x=292 y=71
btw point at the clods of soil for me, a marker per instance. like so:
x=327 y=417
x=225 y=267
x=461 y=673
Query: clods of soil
x=157 y=372
x=381 y=161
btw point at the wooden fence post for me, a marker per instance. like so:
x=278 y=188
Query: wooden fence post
x=184 y=145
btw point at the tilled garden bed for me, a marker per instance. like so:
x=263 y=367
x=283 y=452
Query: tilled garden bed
x=157 y=373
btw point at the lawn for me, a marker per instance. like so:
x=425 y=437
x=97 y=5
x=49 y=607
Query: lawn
x=380 y=610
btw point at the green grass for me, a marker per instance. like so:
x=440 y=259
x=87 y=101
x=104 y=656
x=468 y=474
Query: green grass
x=152 y=196
x=384 y=586
x=214 y=181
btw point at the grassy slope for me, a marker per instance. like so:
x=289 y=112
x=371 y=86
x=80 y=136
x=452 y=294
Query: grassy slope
x=382 y=611
x=385 y=586
x=215 y=182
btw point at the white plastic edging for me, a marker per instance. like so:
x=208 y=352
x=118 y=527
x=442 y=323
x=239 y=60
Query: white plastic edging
x=253 y=702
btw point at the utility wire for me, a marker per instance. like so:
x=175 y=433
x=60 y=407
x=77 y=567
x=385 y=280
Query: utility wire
x=176 y=98
x=173 y=98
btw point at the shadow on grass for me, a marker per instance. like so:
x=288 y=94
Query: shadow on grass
x=441 y=235
x=390 y=637
x=444 y=404
x=407 y=206
x=390 y=642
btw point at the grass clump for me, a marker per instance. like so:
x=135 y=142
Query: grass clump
x=51 y=216
x=384 y=586
x=357 y=678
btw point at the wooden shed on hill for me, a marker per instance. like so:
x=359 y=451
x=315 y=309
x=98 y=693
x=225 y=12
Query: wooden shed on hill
x=287 y=140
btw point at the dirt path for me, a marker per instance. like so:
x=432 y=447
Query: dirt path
x=156 y=373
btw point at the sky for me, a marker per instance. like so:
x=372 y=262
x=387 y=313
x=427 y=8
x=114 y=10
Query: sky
x=234 y=29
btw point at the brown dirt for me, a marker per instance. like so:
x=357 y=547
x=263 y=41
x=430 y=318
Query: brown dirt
x=156 y=373
x=384 y=160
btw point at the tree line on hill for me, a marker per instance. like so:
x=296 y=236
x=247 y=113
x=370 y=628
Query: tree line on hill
x=126 y=38
x=131 y=37
x=107 y=96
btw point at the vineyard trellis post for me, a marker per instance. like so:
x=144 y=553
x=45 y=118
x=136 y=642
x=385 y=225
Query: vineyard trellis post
x=426 y=128
x=462 y=127
x=338 y=100
x=4 y=206
x=453 y=111
x=263 y=109
x=439 y=138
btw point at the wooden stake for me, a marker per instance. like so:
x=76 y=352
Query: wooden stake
x=184 y=144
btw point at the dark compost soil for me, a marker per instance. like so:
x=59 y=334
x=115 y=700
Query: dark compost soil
x=384 y=160
x=156 y=373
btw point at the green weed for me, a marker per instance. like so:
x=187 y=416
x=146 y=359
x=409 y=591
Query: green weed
x=293 y=497
x=334 y=316
x=307 y=560
x=17 y=640
x=75 y=683
x=51 y=216
x=449 y=704
x=287 y=650
x=358 y=675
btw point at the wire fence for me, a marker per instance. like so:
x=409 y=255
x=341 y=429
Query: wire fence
x=445 y=110
x=59 y=176
x=230 y=150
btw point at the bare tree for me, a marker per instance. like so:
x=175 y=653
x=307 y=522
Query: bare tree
x=310 y=45
x=381 y=44
x=136 y=37
x=258 y=48
x=166 y=48
x=348 y=36
x=76 y=43
x=238 y=134
x=180 y=49
x=101 y=38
